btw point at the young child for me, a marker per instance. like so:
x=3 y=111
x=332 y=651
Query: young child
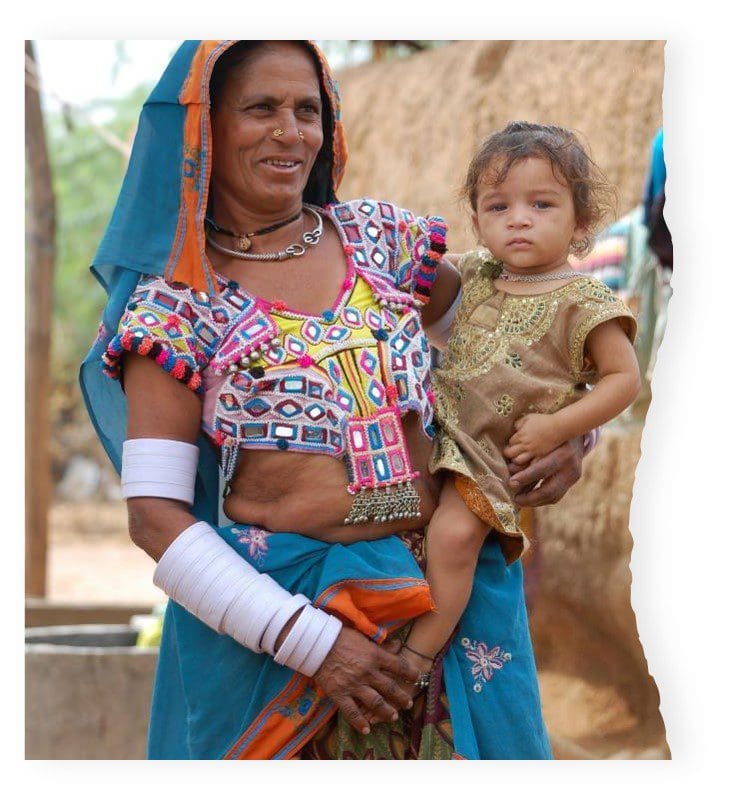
x=529 y=335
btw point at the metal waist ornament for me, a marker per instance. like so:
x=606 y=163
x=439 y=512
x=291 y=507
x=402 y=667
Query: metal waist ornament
x=385 y=505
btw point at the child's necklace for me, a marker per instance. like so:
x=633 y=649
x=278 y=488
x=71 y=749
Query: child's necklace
x=506 y=275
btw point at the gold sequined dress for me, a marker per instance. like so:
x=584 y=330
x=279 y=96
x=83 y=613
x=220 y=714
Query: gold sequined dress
x=508 y=356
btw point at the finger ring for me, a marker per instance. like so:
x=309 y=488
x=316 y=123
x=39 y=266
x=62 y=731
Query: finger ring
x=423 y=680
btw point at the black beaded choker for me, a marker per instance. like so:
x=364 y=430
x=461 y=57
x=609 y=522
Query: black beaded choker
x=243 y=240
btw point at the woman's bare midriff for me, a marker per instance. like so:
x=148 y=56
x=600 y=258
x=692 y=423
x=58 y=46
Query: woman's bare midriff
x=307 y=493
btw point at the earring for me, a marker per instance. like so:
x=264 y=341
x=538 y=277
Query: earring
x=278 y=132
x=580 y=247
x=301 y=135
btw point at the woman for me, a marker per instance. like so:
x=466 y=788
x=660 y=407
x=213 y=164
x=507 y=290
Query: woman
x=289 y=328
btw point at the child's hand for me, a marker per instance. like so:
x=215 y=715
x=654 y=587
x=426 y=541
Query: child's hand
x=535 y=435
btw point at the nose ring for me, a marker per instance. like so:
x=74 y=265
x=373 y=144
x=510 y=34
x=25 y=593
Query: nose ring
x=301 y=135
x=278 y=132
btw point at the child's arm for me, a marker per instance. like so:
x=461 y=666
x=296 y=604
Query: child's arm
x=619 y=381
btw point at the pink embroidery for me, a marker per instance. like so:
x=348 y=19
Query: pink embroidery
x=485 y=660
x=172 y=323
x=255 y=539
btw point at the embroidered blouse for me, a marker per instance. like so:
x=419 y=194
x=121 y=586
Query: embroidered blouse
x=274 y=378
x=508 y=356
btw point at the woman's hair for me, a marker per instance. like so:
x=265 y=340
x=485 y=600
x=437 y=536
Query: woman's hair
x=237 y=57
x=594 y=198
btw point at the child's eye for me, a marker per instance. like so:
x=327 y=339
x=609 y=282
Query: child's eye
x=496 y=207
x=542 y=204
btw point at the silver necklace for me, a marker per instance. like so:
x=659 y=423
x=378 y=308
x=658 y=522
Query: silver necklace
x=505 y=275
x=309 y=239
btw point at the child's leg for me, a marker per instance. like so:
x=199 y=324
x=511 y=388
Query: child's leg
x=455 y=537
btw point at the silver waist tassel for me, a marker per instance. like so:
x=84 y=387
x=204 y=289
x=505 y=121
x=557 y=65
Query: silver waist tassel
x=385 y=505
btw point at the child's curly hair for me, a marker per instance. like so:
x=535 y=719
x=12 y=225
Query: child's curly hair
x=594 y=198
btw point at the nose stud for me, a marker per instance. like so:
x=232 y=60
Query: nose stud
x=278 y=132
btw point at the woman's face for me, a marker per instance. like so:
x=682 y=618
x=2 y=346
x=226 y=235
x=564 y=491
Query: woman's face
x=276 y=89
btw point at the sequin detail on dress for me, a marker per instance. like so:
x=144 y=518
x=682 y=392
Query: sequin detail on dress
x=510 y=355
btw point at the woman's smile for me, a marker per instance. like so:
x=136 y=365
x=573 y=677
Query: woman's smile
x=282 y=165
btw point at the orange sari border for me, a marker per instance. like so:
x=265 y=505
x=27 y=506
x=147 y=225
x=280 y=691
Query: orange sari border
x=291 y=718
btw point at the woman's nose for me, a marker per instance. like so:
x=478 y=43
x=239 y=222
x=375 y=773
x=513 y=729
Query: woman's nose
x=286 y=130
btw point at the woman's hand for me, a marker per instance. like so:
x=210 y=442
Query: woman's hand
x=545 y=480
x=362 y=678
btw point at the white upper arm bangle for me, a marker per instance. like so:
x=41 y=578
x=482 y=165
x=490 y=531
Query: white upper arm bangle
x=159 y=468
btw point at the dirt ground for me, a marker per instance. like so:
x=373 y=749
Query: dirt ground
x=92 y=560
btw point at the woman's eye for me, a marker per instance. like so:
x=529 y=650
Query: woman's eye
x=310 y=110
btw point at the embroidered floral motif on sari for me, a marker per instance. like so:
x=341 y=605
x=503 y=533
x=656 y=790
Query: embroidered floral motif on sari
x=485 y=660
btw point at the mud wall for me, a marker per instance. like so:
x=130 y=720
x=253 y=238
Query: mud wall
x=413 y=124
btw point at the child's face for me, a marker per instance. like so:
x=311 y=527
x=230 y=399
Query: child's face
x=528 y=220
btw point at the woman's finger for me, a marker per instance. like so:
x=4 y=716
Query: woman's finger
x=513 y=468
x=539 y=469
x=543 y=493
x=391 y=690
x=353 y=714
x=375 y=705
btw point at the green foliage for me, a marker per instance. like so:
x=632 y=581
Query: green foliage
x=87 y=175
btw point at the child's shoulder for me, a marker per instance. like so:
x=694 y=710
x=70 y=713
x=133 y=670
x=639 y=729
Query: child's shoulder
x=588 y=289
x=592 y=302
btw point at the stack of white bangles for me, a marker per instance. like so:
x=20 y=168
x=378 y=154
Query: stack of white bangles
x=208 y=578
